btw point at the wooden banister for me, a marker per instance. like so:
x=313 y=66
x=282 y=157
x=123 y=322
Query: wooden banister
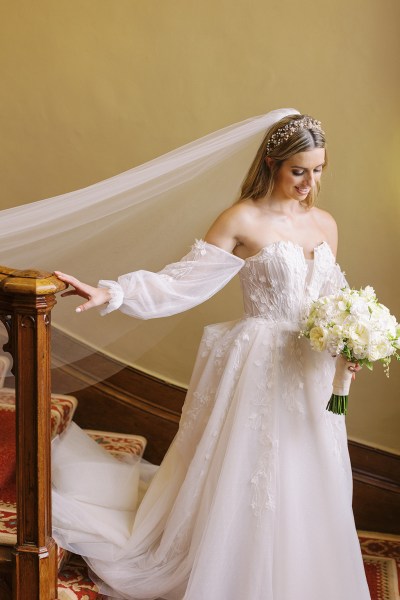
x=26 y=301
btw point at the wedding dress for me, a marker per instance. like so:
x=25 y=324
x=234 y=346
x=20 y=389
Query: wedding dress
x=253 y=499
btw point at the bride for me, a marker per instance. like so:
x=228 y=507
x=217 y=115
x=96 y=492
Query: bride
x=253 y=499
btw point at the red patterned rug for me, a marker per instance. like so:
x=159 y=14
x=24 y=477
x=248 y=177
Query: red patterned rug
x=62 y=411
x=7 y=454
x=381 y=554
x=74 y=584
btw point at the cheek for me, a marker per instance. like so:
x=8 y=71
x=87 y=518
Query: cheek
x=288 y=179
x=291 y=180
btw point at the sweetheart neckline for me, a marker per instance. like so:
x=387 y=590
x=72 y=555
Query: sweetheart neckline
x=289 y=242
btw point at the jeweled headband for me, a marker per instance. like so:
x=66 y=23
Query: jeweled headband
x=286 y=131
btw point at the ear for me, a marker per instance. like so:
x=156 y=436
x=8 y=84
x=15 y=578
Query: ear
x=270 y=161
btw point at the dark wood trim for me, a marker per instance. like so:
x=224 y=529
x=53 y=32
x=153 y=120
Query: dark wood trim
x=26 y=301
x=376 y=488
x=131 y=401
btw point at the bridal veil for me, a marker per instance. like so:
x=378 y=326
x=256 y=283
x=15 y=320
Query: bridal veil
x=143 y=218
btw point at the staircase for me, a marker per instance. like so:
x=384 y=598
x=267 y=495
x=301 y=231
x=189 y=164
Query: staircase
x=31 y=566
x=73 y=580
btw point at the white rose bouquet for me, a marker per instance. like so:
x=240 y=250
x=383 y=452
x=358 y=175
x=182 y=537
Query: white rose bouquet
x=355 y=326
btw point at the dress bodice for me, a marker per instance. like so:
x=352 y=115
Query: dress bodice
x=279 y=283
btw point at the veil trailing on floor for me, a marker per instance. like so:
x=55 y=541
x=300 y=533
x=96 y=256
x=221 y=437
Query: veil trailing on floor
x=141 y=219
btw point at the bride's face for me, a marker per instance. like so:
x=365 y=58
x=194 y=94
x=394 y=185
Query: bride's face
x=298 y=174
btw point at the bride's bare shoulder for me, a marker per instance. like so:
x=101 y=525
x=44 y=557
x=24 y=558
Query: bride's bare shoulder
x=242 y=211
x=227 y=229
x=236 y=215
x=327 y=224
x=323 y=217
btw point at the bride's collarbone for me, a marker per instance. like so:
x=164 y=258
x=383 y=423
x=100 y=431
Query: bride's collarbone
x=259 y=233
x=254 y=247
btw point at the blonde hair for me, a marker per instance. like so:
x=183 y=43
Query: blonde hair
x=260 y=179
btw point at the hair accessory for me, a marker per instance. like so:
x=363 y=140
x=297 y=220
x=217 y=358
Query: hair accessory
x=286 y=131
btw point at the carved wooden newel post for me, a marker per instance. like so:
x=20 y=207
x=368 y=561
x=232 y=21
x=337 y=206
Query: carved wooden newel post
x=26 y=300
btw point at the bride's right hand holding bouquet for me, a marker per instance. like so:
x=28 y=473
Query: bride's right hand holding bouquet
x=354 y=326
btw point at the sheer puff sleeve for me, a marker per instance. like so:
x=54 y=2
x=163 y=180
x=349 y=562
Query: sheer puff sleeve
x=179 y=286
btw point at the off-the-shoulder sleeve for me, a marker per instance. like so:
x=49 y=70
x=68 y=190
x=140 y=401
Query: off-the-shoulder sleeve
x=178 y=287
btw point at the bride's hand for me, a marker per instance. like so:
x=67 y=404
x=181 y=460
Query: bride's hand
x=95 y=296
x=353 y=367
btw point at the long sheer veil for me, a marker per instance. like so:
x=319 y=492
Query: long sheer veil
x=143 y=218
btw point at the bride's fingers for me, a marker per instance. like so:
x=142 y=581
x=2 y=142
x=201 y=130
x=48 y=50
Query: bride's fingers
x=81 y=289
x=94 y=296
x=67 y=278
x=69 y=293
x=354 y=367
x=86 y=306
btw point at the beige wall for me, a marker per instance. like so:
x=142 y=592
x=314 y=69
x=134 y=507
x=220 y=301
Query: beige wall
x=90 y=88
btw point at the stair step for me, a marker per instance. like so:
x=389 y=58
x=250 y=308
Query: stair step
x=73 y=580
x=62 y=411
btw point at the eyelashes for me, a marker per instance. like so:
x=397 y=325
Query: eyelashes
x=299 y=173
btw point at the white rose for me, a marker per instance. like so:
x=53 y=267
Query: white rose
x=359 y=307
x=381 y=349
x=318 y=338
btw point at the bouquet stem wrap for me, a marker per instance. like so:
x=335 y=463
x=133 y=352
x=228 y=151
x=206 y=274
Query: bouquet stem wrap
x=341 y=387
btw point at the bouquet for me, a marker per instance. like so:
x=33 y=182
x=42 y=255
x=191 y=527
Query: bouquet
x=354 y=326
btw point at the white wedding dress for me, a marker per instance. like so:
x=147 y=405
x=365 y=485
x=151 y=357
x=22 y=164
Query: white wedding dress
x=253 y=499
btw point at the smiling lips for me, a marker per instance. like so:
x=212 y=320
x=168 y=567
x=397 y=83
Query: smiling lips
x=302 y=191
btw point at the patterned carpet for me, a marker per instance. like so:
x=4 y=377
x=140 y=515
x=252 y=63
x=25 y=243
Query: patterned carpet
x=381 y=554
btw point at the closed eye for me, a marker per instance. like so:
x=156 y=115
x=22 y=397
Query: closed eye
x=299 y=173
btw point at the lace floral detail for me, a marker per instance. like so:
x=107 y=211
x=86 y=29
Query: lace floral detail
x=225 y=349
x=181 y=269
x=275 y=285
x=199 y=248
x=178 y=270
x=271 y=282
x=292 y=392
x=263 y=479
x=193 y=408
x=260 y=420
x=334 y=280
x=324 y=262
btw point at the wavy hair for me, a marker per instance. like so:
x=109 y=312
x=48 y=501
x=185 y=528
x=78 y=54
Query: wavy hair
x=260 y=179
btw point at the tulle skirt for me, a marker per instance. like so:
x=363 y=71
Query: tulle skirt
x=253 y=498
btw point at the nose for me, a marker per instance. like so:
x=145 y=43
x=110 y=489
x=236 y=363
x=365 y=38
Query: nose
x=309 y=177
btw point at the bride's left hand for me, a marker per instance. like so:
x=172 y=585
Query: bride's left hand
x=353 y=367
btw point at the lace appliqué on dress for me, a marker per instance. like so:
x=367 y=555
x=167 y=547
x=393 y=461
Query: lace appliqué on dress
x=263 y=479
x=260 y=420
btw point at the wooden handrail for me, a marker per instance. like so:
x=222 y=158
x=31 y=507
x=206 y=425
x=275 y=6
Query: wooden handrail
x=26 y=300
